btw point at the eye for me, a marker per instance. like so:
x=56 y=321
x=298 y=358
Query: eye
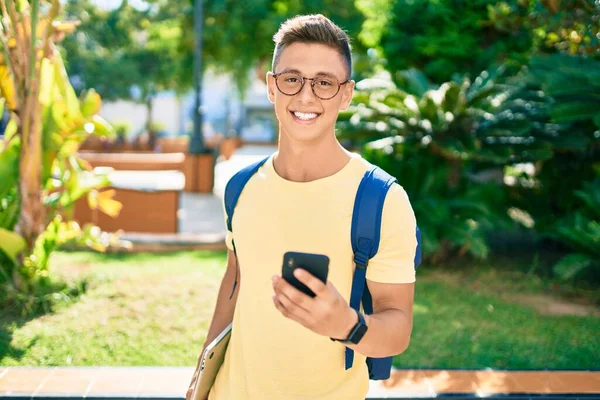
x=291 y=79
x=324 y=82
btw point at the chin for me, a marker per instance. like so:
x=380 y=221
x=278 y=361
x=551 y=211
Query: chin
x=304 y=136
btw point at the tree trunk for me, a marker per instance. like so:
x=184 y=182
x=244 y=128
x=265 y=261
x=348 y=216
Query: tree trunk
x=31 y=219
x=454 y=172
x=180 y=124
x=149 y=127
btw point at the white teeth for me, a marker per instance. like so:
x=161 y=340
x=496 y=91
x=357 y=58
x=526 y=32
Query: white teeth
x=305 y=116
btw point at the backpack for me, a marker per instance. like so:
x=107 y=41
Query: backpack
x=365 y=231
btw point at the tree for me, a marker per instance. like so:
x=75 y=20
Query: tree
x=125 y=53
x=40 y=174
x=446 y=37
x=117 y=50
x=556 y=26
x=96 y=56
x=239 y=34
x=441 y=38
x=158 y=63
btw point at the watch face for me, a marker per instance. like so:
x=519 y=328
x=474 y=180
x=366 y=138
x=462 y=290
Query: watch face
x=359 y=333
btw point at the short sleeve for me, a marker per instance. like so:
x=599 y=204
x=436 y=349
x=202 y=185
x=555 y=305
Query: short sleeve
x=394 y=261
x=229 y=236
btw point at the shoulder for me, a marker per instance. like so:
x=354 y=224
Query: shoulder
x=396 y=195
x=240 y=176
x=397 y=207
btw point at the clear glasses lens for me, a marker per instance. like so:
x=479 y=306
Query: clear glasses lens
x=289 y=83
x=324 y=87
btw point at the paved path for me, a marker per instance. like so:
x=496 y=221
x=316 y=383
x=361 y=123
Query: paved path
x=201 y=216
x=171 y=383
x=203 y=213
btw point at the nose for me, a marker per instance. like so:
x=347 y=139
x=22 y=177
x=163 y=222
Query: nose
x=306 y=94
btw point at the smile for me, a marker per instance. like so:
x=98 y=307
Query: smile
x=305 y=116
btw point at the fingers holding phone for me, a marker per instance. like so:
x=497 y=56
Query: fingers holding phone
x=315 y=264
x=327 y=313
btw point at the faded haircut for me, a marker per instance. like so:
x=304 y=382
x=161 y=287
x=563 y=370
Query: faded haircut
x=313 y=29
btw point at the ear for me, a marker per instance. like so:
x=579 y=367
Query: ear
x=271 y=87
x=347 y=94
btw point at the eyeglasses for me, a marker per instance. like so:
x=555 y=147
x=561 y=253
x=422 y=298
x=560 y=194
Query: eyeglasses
x=324 y=87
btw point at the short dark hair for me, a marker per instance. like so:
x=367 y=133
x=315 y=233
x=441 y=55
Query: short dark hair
x=316 y=29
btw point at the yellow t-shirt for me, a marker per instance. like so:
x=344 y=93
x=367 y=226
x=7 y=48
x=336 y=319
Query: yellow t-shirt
x=271 y=357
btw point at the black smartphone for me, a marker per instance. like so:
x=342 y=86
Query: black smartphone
x=316 y=264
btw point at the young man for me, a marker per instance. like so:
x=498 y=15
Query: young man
x=302 y=200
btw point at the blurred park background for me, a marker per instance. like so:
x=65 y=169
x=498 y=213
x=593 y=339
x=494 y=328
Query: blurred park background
x=111 y=229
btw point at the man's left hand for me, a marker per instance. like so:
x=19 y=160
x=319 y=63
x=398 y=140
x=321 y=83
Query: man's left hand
x=326 y=314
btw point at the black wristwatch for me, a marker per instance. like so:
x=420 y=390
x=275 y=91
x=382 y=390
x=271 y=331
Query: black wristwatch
x=356 y=333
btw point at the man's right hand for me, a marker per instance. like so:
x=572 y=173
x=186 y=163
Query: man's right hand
x=224 y=310
x=188 y=394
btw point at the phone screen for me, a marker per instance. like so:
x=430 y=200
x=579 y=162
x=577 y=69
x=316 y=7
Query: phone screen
x=315 y=264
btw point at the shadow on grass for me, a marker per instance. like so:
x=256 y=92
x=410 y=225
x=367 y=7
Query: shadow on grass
x=51 y=295
x=8 y=324
x=123 y=256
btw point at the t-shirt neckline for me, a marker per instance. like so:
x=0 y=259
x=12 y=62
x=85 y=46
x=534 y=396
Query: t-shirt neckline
x=345 y=170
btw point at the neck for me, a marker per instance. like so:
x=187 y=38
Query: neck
x=309 y=161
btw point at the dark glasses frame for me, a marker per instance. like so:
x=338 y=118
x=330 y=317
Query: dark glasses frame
x=303 y=80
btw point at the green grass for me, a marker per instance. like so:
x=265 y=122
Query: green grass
x=456 y=326
x=139 y=310
x=154 y=309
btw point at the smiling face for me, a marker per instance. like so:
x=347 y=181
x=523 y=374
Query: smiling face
x=304 y=117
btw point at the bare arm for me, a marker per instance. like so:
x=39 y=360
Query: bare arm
x=223 y=314
x=329 y=314
x=390 y=325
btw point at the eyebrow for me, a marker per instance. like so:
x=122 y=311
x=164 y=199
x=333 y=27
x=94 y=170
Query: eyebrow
x=320 y=73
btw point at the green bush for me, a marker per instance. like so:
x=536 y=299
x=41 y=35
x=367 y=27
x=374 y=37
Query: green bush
x=453 y=219
x=41 y=175
x=580 y=232
x=449 y=138
x=571 y=85
x=448 y=147
x=568 y=27
x=443 y=38
x=122 y=128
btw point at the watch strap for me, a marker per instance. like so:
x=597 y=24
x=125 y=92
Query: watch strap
x=357 y=331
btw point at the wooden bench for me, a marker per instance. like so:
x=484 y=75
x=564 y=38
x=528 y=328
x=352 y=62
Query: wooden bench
x=150 y=201
x=136 y=161
x=197 y=169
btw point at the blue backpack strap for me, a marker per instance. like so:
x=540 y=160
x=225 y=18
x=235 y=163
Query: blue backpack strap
x=233 y=190
x=365 y=235
x=365 y=232
x=418 y=256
